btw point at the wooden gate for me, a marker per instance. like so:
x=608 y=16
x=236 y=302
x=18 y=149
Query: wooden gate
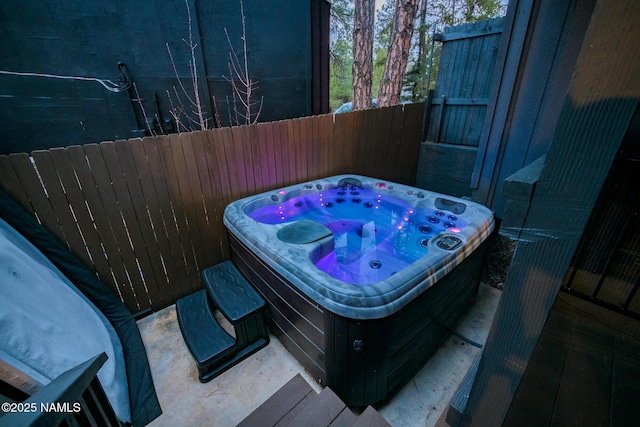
x=457 y=106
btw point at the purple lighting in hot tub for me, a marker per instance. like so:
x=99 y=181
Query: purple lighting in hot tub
x=394 y=235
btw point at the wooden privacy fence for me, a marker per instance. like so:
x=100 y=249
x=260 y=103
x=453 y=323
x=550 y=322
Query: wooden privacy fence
x=457 y=105
x=146 y=214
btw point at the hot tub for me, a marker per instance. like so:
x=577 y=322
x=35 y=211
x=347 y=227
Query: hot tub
x=364 y=278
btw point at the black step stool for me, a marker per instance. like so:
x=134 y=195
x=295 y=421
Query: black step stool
x=213 y=349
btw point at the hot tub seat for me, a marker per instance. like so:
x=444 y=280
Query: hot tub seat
x=303 y=231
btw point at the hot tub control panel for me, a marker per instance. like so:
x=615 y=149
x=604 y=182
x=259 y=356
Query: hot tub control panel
x=448 y=243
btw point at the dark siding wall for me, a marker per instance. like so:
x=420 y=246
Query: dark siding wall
x=320 y=62
x=79 y=38
x=599 y=104
x=538 y=56
x=278 y=46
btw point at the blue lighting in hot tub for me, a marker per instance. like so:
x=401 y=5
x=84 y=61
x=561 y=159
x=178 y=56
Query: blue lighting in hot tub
x=425 y=229
x=395 y=232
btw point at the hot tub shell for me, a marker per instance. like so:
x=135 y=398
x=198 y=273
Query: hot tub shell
x=362 y=341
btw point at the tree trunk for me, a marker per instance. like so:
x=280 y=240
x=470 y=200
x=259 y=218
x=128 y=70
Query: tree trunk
x=398 y=52
x=362 y=70
x=422 y=52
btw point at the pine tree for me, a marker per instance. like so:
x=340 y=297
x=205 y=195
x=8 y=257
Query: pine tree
x=362 y=70
x=398 y=52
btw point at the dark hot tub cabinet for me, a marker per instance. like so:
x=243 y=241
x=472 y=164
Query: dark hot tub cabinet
x=364 y=278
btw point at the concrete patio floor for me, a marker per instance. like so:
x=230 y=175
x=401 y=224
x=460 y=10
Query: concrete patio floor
x=230 y=397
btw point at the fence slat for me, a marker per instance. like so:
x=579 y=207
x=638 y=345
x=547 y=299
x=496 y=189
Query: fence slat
x=36 y=193
x=59 y=202
x=241 y=137
x=250 y=141
x=129 y=282
x=301 y=155
x=211 y=196
x=293 y=138
x=77 y=201
x=161 y=254
x=136 y=258
x=325 y=138
x=234 y=150
x=271 y=167
x=171 y=155
x=220 y=177
x=11 y=183
x=197 y=209
x=282 y=146
x=105 y=246
x=192 y=201
x=141 y=229
x=316 y=142
x=201 y=156
x=344 y=148
x=360 y=151
x=411 y=131
x=264 y=159
x=173 y=259
x=305 y=145
x=218 y=140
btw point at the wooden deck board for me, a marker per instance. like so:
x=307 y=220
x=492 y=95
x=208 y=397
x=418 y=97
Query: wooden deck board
x=582 y=372
x=370 y=417
x=296 y=404
x=625 y=410
x=325 y=407
x=283 y=401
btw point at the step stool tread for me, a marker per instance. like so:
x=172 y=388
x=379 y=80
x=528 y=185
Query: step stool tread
x=204 y=336
x=231 y=292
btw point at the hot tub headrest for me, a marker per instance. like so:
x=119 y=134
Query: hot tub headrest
x=303 y=231
x=350 y=181
x=450 y=205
